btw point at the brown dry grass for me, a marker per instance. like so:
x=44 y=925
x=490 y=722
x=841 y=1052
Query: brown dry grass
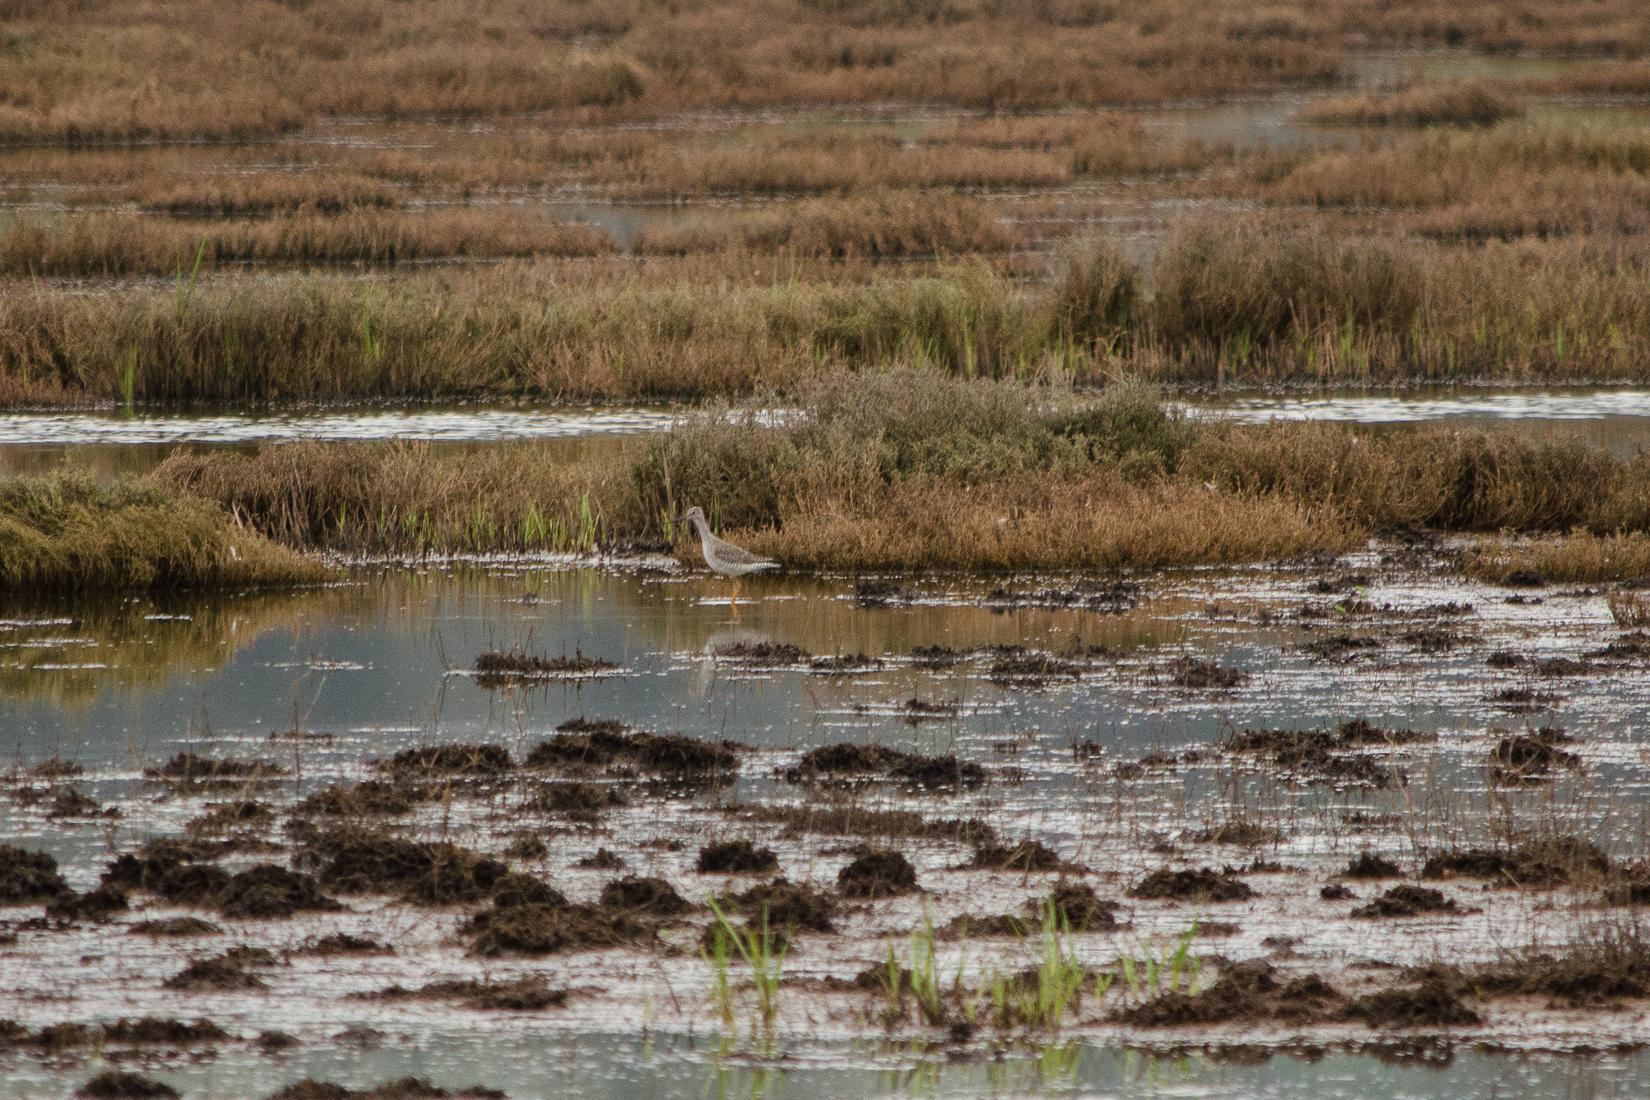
x=127 y=244
x=1462 y=103
x=1579 y=558
x=882 y=226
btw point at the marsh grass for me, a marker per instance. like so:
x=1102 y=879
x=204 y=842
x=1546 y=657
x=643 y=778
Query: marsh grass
x=1019 y=477
x=64 y=533
x=128 y=244
x=1454 y=103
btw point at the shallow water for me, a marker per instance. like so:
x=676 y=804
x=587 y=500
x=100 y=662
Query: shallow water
x=379 y=662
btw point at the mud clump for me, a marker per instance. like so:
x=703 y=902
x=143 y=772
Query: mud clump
x=405 y=1088
x=1341 y=648
x=234 y=969
x=858 y=821
x=223 y=817
x=1549 y=862
x=370 y=797
x=608 y=745
x=937 y=656
x=572 y=799
x=1247 y=991
x=1596 y=968
x=27 y=876
x=602 y=859
x=94 y=905
x=1370 y=865
x=517 y=666
x=1107 y=597
x=343 y=943
x=187 y=769
x=1077 y=906
x=354 y=861
x=175 y=926
x=158 y=1031
x=1201 y=884
x=1530 y=758
x=1330 y=756
x=528 y=994
x=1241 y=834
x=845 y=664
x=846 y=761
x=736 y=857
x=1432 y=1003
x=68 y=802
x=270 y=891
x=639 y=896
x=877 y=872
x=117 y=1085
x=538 y=929
x=765 y=654
x=1032 y=670
x=1023 y=856
x=1205 y=675
x=787 y=904
x=1407 y=900
x=451 y=760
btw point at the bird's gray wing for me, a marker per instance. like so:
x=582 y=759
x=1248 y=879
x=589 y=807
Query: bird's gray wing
x=735 y=555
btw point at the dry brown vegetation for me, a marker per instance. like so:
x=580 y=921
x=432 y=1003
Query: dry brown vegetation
x=1017 y=478
x=1452 y=104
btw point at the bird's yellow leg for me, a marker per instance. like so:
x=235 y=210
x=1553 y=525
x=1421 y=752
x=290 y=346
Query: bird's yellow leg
x=733 y=601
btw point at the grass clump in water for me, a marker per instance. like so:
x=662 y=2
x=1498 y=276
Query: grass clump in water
x=66 y=533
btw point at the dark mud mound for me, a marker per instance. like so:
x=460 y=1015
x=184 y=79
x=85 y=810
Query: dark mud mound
x=637 y=896
x=518 y=666
x=267 y=891
x=27 y=876
x=1077 y=906
x=1531 y=758
x=117 y=1084
x=787 y=904
x=1407 y=900
x=847 y=762
x=851 y=819
x=1106 y=597
x=187 y=769
x=1032 y=670
x=1550 y=862
x=175 y=926
x=160 y=1031
x=68 y=802
x=574 y=799
x=528 y=994
x=1247 y=991
x=171 y=869
x=1240 y=834
x=1601 y=966
x=1341 y=648
x=534 y=929
x=101 y=904
x=1205 y=675
x=602 y=859
x=1326 y=756
x=845 y=664
x=235 y=969
x=610 y=746
x=450 y=760
x=370 y=797
x=1432 y=1003
x=937 y=656
x=736 y=857
x=358 y=861
x=1023 y=856
x=223 y=817
x=405 y=1088
x=877 y=872
x=1369 y=865
x=1200 y=884
x=343 y=943
x=765 y=654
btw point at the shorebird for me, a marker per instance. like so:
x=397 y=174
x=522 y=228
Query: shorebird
x=724 y=557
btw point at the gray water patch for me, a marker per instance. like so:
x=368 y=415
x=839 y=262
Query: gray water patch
x=438 y=425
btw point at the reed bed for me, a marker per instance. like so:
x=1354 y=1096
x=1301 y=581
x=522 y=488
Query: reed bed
x=140 y=244
x=65 y=534
x=1222 y=304
x=1457 y=103
x=913 y=470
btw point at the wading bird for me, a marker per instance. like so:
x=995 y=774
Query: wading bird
x=724 y=557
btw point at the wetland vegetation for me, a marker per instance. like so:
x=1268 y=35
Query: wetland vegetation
x=1085 y=727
